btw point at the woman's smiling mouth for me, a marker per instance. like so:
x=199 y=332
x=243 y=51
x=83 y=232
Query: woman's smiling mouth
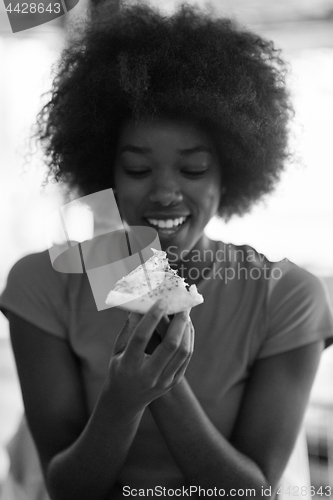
x=167 y=227
x=167 y=223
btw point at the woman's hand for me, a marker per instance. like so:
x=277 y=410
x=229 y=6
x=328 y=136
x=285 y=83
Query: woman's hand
x=137 y=377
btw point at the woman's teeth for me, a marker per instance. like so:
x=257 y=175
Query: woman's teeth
x=167 y=224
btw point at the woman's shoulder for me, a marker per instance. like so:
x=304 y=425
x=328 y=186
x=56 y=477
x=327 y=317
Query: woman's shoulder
x=37 y=293
x=34 y=276
x=249 y=269
x=35 y=259
x=298 y=305
x=34 y=267
x=284 y=271
x=286 y=276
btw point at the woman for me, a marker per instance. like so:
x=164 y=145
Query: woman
x=185 y=118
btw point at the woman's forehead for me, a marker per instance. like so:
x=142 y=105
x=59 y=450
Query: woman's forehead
x=146 y=135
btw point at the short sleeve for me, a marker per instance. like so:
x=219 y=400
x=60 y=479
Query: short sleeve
x=36 y=292
x=298 y=310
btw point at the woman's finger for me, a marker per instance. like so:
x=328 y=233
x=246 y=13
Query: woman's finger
x=189 y=337
x=175 y=369
x=170 y=344
x=123 y=337
x=163 y=326
x=135 y=350
x=192 y=336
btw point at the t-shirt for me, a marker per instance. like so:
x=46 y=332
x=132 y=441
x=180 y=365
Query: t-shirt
x=252 y=309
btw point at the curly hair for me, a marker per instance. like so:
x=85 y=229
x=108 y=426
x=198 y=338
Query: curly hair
x=139 y=64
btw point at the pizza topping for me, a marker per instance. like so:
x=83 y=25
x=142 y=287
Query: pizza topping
x=151 y=281
x=156 y=269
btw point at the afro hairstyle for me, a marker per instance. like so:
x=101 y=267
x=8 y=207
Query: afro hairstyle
x=139 y=64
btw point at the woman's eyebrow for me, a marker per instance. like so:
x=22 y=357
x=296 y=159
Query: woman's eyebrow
x=194 y=150
x=129 y=148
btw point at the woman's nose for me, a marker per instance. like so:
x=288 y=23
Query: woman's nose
x=166 y=193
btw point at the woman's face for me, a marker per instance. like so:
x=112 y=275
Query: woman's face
x=167 y=176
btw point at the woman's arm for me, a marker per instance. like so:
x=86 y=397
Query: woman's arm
x=265 y=431
x=80 y=455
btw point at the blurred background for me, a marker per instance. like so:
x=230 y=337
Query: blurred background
x=296 y=221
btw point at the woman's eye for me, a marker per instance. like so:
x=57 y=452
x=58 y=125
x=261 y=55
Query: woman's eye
x=194 y=172
x=137 y=172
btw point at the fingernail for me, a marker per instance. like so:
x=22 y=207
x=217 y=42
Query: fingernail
x=186 y=315
x=161 y=304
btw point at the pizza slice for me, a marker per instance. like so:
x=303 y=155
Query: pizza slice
x=141 y=288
